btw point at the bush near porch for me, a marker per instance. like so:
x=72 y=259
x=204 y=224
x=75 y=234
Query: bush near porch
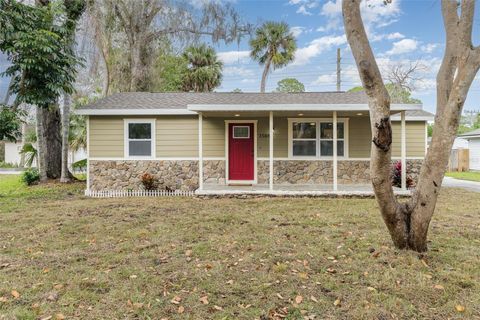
x=67 y=256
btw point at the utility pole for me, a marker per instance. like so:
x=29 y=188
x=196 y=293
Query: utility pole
x=339 y=59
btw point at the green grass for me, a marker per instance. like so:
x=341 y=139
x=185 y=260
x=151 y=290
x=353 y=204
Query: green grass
x=144 y=258
x=470 y=175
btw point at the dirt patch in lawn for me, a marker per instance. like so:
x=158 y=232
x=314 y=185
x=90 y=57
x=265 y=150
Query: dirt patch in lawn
x=187 y=258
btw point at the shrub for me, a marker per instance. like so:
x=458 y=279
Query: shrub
x=8 y=165
x=397 y=176
x=30 y=176
x=149 y=182
x=80 y=165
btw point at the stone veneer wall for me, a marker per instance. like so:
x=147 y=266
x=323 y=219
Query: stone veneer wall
x=321 y=171
x=174 y=174
x=183 y=174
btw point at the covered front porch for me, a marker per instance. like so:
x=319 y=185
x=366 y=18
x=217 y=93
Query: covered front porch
x=299 y=150
x=364 y=190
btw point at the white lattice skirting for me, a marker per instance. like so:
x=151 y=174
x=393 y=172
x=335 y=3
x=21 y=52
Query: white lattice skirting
x=137 y=193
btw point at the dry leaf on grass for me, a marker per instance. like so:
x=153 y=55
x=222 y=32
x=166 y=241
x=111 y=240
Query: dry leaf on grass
x=204 y=299
x=298 y=299
x=313 y=299
x=218 y=308
x=181 y=309
x=59 y=316
x=3 y=299
x=176 y=300
x=460 y=308
x=138 y=305
x=15 y=294
x=337 y=303
x=438 y=287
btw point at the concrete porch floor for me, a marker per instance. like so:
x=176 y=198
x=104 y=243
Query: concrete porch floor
x=292 y=190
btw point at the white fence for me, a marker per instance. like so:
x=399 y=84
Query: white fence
x=138 y=193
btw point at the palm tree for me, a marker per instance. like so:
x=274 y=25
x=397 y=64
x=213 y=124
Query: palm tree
x=273 y=45
x=204 y=69
x=77 y=137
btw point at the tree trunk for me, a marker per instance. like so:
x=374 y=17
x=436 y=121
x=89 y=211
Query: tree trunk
x=65 y=177
x=41 y=148
x=138 y=69
x=107 y=80
x=53 y=141
x=266 y=70
x=408 y=222
x=24 y=135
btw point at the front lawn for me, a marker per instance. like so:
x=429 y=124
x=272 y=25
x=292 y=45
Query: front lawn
x=470 y=175
x=67 y=256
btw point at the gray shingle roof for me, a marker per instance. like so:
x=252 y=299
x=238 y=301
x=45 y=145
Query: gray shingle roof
x=180 y=100
x=415 y=114
x=471 y=133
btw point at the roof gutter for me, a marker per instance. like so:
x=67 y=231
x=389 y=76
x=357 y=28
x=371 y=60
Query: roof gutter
x=295 y=107
x=112 y=112
x=193 y=109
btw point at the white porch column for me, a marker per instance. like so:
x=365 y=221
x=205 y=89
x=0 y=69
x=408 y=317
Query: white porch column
x=335 y=183
x=200 y=151
x=270 y=154
x=403 y=151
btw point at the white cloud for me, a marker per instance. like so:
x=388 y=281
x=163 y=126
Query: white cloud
x=238 y=71
x=374 y=12
x=403 y=46
x=303 y=10
x=325 y=79
x=296 y=31
x=229 y=57
x=429 y=47
x=316 y=47
x=304 y=6
x=247 y=81
x=395 y=36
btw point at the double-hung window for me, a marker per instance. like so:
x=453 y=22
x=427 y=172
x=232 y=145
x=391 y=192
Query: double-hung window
x=139 y=138
x=313 y=138
x=304 y=139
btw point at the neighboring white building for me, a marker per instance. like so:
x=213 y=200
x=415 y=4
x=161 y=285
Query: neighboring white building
x=473 y=139
x=13 y=156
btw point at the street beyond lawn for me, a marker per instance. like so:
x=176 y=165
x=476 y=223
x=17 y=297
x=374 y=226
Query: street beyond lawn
x=67 y=256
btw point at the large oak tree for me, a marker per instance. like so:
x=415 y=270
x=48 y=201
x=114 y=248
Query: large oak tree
x=408 y=222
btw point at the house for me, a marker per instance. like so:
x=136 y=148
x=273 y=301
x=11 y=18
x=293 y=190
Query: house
x=212 y=142
x=473 y=138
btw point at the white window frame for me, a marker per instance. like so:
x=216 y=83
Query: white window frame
x=317 y=121
x=126 y=138
x=233 y=132
x=320 y=139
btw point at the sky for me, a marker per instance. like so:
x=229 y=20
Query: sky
x=403 y=32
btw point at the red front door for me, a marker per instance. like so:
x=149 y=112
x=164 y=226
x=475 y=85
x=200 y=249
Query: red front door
x=241 y=151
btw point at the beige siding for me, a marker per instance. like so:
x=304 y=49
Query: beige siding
x=177 y=137
x=106 y=136
x=213 y=137
x=280 y=137
x=359 y=135
x=415 y=133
